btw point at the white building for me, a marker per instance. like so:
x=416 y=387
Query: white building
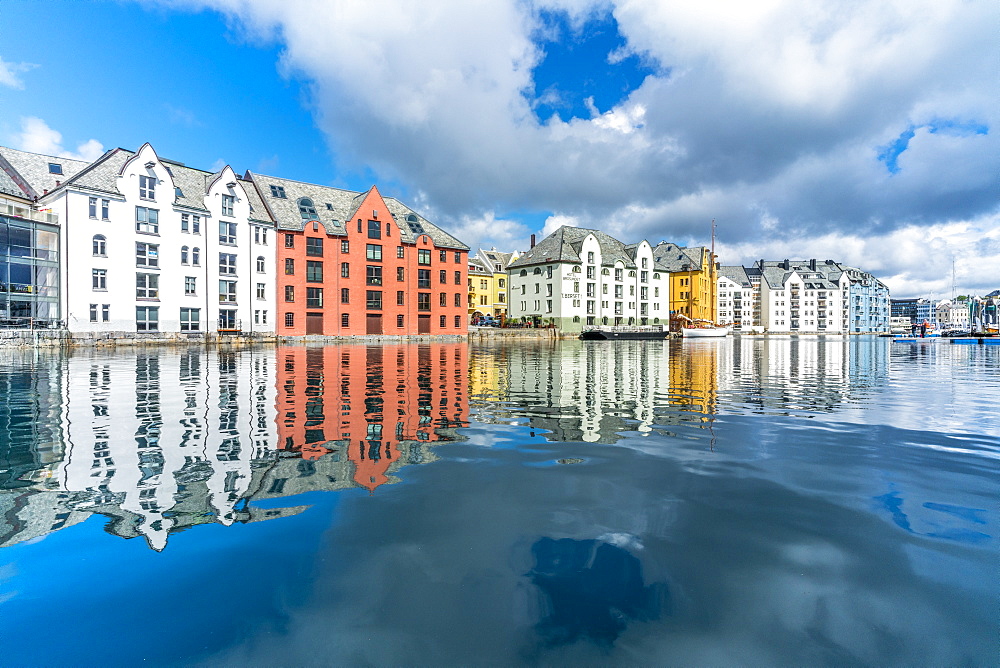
x=150 y=245
x=804 y=296
x=736 y=297
x=953 y=314
x=577 y=277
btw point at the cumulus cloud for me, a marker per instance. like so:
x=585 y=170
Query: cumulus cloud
x=10 y=73
x=37 y=137
x=780 y=107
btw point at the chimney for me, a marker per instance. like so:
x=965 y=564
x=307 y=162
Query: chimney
x=812 y=264
x=787 y=264
x=532 y=240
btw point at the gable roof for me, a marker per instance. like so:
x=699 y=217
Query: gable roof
x=737 y=275
x=334 y=206
x=565 y=244
x=32 y=170
x=674 y=258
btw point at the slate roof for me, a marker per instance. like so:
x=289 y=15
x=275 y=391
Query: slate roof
x=336 y=205
x=476 y=266
x=564 y=245
x=497 y=257
x=737 y=275
x=674 y=258
x=34 y=169
x=776 y=273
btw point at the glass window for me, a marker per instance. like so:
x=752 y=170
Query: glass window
x=373 y=299
x=147 y=187
x=147 y=318
x=227 y=205
x=443 y=256
x=279 y=192
x=373 y=252
x=373 y=275
x=92 y=212
x=289 y=320
x=190 y=319
x=423 y=301
x=345 y=320
x=185 y=222
x=458 y=257
x=400 y=298
x=93 y=313
x=227 y=233
x=261 y=291
x=399 y=320
x=423 y=256
x=227 y=292
x=345 y=296
x=105 y=205
x=314 y=271
x=190 y=285
x=100 y=245
x=306 y=209
x=400 y=274
x=345 y=269
x=147 y=221
x=289 y=240
x=443 y=299
x=441 y=321
x=314 y=246
x=195 y=224
x=55 y=168
x=423 y=278
x=400 y=251
x=260 y=264
x=374 y=230
x=289 y=266
x=314 y=297
x=147 y=286
x=196 y=257
x=345 y=246
x=458 y=299
x=227 y=263
x=147 y=255
x=458 y=278
x=289 y=293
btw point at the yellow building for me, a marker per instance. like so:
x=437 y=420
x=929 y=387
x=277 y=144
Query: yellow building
x=481 y=289
x=488 y=282
x=693 y=280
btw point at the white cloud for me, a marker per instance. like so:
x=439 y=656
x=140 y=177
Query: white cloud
x=37 y=137
x=768 y=116
x=10 y=73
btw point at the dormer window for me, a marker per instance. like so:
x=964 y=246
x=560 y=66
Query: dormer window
x=178 y=193
x=55 y=168
x=147 y=187
x=278 y=191
x=306 y=209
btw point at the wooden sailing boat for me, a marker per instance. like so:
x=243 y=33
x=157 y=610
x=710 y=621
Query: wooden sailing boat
x=703 y=329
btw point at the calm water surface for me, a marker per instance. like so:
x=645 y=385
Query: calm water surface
x=822 y=501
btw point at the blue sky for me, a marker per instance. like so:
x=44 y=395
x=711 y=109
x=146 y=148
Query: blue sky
x=864 y=133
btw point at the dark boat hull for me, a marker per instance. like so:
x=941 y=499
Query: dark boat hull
x=610 y=335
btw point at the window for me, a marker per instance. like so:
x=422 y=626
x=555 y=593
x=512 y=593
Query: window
x=289 y=266
x=147 y=255
x=644 y=263
x=643 y=276
x=442 y=322
x=345 y=295
x=458 y=257
x=443 y=277
x=227 y=264
x=345 y=320
x=105 y=205
x=92 y=212
x=190 y=319
x=147 y=221
x=260 y=235
x=345 y=269
x=55 y=168
x=289 y=319
x=373 y=252
x=458 y=278
x=195 y=224
x=190 y=285
x=458 y=299
x=590 y=257
x=548 y=271
x=400 y=298
x=345 y=246
x=373 y=275
x=423 y=301
x=279 y=192
x=227 y=205
x=314 y=246
x=147 y=187
x=147 y=286
x=400 y=274
x=260 y=264
x=443 y=299
x=373 y=299
x=261 y=291
x=591 y=272
x=314 y=271
x=289 y=293
x=306 y=209
x=196 y=257
x=227 y=233
x=400 y=251
x=93 y=313
x=314 y=297
x=374 y=230
x=147 y=318
x=423 y=278
x=227 y=292
x=458 y=321
x=100 y=245
x=423 y=256
x=399 y=321
x=618 y=274
x=185 y=223
x=289 y=240
x=443 y=256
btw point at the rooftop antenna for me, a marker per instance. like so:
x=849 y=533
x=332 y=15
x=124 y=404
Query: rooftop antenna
x=952 y=279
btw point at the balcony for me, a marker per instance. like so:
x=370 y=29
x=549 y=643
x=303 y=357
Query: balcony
x=20 y=211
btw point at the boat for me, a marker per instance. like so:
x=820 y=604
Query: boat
x=710 y=332
x=624 y=332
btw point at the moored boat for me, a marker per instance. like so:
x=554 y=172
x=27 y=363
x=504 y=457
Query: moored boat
x=628 y=332
x=704 y=332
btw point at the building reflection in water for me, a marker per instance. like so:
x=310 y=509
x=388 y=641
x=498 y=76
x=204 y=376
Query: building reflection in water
x=158 y=441
x=599 y=391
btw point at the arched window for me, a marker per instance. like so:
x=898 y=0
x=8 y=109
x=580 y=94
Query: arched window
x=605 y=272
x=631 y=274
x=576 y=268
x=306 y=209
x=196 y=256
x=576 y=318
x=604 y=320
x=100 y=245
x=538 y=270
x=184 y=254
x=656 y=277
x=524 y=272
x=656 y=321
x=260 y=264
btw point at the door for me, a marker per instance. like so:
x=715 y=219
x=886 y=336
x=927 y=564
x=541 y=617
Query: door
x=423 y=324
x=314 y=323
x=373 y=323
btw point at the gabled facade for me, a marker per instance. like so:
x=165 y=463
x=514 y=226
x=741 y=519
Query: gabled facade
x=804 y=296
x=867 y=303
x=693 y=280
x=481 y=289
x=737 y=295
x=351 y=263
x=151 y=246
x=576 y=278
x=495 y=263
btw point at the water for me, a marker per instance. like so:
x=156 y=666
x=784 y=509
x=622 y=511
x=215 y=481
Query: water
x=821 y=501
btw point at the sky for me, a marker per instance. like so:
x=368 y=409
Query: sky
x=859 y=131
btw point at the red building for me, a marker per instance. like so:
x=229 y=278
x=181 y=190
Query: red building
x=376 y=405
x=352 y=263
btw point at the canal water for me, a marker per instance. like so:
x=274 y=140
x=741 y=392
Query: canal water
x=782 y=501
